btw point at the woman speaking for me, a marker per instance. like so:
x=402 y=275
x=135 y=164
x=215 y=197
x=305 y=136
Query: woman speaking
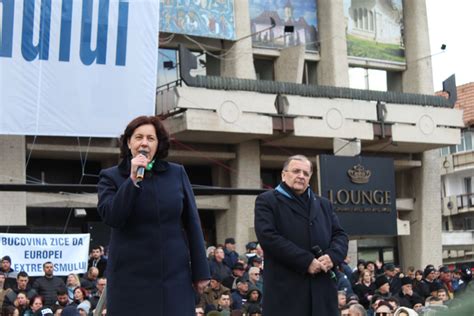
x=156 y=250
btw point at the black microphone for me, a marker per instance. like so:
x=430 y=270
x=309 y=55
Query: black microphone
x=317 y=252
x=141 y=170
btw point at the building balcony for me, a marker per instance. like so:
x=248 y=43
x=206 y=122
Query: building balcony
x=233 y=116
x=457 y=162
x=457 y=204
x=457 y=238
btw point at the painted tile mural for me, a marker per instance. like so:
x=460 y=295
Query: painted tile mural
x=206 y=18
x=375 y=29
x=301 y=14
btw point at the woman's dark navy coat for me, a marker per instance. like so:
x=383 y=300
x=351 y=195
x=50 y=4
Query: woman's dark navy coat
x=156 y=249
x=287 y=231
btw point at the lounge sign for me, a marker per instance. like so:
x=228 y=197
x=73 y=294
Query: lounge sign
x=362 y=190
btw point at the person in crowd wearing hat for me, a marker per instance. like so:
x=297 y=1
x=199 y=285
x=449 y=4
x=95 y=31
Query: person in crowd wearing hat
x=48 y=285
x=84 y=308
x=407 y=297
x=465 y=281
x=418 y=304
x=44 y=311
x=254 y=279
x=290 y=222
x=10 y=274
x=427 y=283
x=22 y=285
x=382 y=287
x=393 y=278
x=352 y=299
x=231 y=256
x=217 y=266
x=97 y=260
x=405 y=311
x=445 y=278
x=213 y=292
x=251 y=251
x=238 y=270
x=343 y=283
x=240 y=296
x=254 y=300
x=365 y=288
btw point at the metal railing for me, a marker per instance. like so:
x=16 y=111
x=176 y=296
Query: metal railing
x=465 y=200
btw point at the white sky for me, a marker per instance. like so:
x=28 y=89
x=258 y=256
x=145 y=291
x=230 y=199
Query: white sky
x=451 y=23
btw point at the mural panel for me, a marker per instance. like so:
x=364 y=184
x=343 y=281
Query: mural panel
x=206 y=18
x=374 y=29
x=296 y=23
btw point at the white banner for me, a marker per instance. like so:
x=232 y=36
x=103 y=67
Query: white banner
x=76 y=67
x=68 y=253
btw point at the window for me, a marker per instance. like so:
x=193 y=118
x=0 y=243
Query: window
x=264 y=69
x=309 y=74
x=370 y=79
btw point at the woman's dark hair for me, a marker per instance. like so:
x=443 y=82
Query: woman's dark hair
x=161 y=133
x=34 y=298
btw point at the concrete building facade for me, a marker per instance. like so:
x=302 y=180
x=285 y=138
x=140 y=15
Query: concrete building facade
x=457 y=178
x=237 y=138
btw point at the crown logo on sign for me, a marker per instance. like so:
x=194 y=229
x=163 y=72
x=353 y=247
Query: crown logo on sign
x=359 y=175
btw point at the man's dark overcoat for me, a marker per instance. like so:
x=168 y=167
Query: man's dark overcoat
x=287 y=231
x=156 y=249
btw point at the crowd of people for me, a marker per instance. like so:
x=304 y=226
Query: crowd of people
x=371 y=288
x=50 y=295
x=236 y=287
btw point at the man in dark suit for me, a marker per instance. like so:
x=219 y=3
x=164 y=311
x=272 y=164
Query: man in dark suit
x=289 y=222
x=96 y=260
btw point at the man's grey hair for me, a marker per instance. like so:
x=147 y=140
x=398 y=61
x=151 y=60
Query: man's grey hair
x=299 y=158
x=358 y=309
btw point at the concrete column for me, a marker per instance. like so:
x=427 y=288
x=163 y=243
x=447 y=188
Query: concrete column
x=423 y=246
x=333 y=68
x=418 y=77
x=238 y=221
x=12 y=170
x=290 y=65
x=238 y=62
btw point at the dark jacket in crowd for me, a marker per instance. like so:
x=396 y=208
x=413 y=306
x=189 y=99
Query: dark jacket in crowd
x=231 y=258
x=219 y=268
x=287 y=229
x=10 y=294
x=407 y=300
x=363 y=292
x=100 y=264
x=395 y=285
x=48 y=287
x=156 y=249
